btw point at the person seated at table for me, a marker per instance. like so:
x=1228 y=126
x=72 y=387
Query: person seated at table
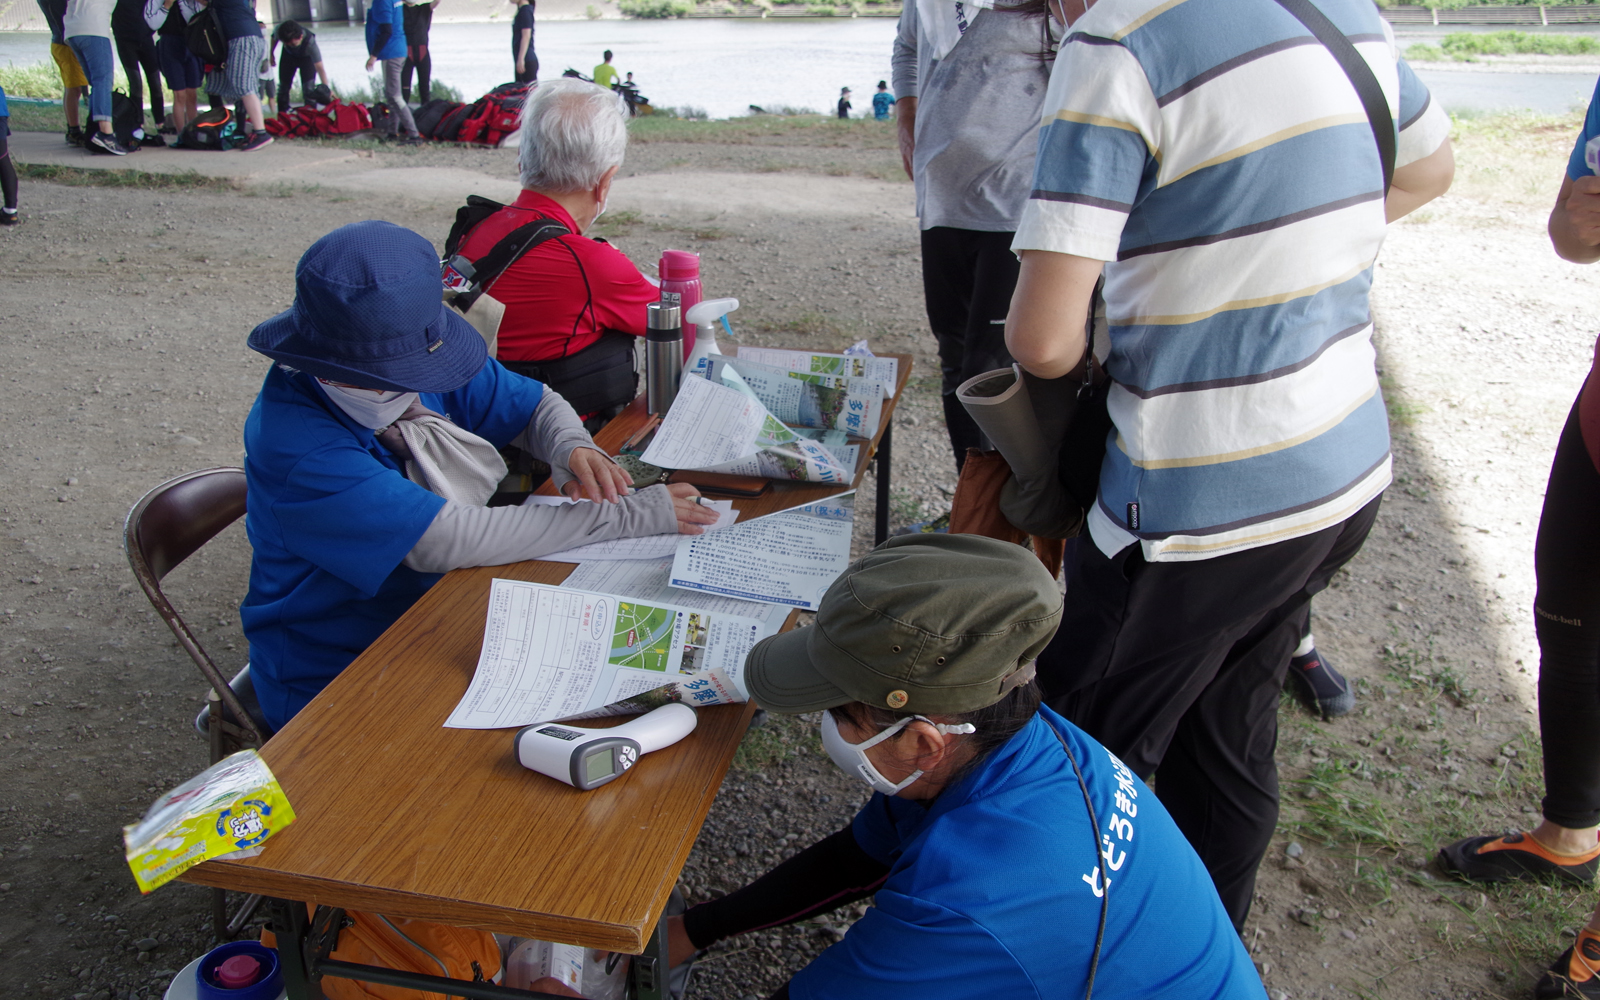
x=573 y=304
x=995 y=828
x=344 y=542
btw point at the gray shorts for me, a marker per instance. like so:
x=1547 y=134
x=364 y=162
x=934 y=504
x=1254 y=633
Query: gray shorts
x=239 y=75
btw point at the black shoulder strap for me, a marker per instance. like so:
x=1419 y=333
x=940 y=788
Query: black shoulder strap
x=468 y=216
x=516 y=243
x=1100 y=859
x=1360 y=74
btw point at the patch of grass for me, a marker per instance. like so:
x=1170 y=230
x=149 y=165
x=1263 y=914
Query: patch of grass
x=38 y=117
x=779 y=737
x=809 y=324
x=1466 y=46
x=1514 y=159
x=904 y=507
x=1416 y=668
x=800 y=128
x=42 y=79
x=618 y=223
x=1402 y=412
x=83 y=177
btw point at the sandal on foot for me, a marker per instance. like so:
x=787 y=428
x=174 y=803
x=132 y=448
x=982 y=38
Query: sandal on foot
x=1515 y=856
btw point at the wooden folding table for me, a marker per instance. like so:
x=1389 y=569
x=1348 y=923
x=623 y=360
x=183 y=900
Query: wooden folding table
x=401 y=816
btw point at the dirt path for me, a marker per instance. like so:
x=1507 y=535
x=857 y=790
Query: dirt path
x=124 y=317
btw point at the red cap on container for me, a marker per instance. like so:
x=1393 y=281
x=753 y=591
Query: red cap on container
x=678 y=265
x=238 y=972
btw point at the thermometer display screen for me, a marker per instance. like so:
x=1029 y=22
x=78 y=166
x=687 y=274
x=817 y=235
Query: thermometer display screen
x=600 y=765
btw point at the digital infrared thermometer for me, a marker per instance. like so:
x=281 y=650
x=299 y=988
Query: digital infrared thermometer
x=588 y=758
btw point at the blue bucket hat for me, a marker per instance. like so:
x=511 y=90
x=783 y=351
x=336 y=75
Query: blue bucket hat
x=368 y=311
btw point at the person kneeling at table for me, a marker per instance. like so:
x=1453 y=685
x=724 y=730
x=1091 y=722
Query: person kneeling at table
x=996 y=827
x=344 y=542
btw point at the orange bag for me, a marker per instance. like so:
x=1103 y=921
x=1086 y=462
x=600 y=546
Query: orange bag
x=975 y=509
x=410 y=946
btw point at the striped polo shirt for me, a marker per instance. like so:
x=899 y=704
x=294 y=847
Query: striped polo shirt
x=1217 y=157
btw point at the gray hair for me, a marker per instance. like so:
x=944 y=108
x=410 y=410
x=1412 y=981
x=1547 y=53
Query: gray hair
x=572 y=133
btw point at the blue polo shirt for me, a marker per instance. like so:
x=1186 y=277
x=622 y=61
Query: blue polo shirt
x=386 y=12
x=993 y=890
x=330 y=515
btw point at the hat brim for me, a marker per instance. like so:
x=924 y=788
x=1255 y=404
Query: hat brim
x=458 y=358
x=781 y=677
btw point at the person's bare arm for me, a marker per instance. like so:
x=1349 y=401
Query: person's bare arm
x=1045 y=328
x=1575 y=220
x=322 y=74
x=523 y=37
x=1419 y=182
x=905 y=118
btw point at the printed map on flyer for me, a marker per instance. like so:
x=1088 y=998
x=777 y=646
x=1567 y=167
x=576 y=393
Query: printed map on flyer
x=550 y=653
x=791 y=557
x=827 y=402
x=884 y=370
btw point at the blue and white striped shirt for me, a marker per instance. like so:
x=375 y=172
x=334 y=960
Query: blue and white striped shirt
x=1217 y=157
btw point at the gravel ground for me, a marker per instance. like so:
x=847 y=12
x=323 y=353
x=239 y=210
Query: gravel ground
x=125 y=316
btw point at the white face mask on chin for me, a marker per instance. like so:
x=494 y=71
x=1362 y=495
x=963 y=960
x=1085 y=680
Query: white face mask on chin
x=851 y=758
x=374 y=409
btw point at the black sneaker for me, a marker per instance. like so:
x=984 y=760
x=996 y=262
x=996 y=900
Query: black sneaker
x=1576 y=973
x=1320 y=687
x=1516 y=857
x=105 y=142
x=257 y=140
x=411 y=140
x=9 y=218
x=152 y=140
x=74 y=136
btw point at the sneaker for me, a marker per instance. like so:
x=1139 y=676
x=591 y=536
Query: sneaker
x=152 y=140
x=74 y=135
x=167 y=128
x=9 y=218
x=105 y=142
x=1323 y=689
x=257 y=140
x=412 y=140
x=1576 y=973
x=1516 y=856
x=938 y=526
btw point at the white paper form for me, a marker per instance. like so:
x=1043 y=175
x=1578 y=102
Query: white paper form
x=552 y=653
x=707 y=424
x=804 y=399
x=648 y=580
x=884 y=370
x=791 y=557
x=645 y=546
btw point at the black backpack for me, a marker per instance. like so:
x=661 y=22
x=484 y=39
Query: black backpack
x=449 y=127
x=204 y=38
x=431 y=114
x=216 y=129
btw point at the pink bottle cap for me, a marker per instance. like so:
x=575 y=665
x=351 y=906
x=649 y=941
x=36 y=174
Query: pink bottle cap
x=238 y=972
x=678 y=265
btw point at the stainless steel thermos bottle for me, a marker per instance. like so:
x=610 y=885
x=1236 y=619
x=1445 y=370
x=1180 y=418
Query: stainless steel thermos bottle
x=663 y=355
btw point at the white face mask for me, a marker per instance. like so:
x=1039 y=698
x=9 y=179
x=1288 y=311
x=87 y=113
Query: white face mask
x=852 y=757
x=374 y=409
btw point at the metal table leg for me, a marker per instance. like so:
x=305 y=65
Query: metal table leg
x=880 y=530
x=293 y=931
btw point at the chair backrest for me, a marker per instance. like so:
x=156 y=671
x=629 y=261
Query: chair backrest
x=168 y=525
x=173 y=520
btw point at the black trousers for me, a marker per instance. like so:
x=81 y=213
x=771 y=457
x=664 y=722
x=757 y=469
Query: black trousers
x=967 y=281
x=1566 y=614
x=136 y=49
x=418 y=21
x=288 y=66
x=1176 y=667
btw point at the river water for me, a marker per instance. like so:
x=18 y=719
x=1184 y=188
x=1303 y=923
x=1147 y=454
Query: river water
x=724 y=66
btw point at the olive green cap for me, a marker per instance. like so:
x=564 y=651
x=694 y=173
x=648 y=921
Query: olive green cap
x=924 y=623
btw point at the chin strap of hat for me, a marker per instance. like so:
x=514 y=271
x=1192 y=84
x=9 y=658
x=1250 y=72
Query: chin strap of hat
x=1100 y=859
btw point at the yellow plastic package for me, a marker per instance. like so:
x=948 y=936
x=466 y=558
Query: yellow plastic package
x=230 y=808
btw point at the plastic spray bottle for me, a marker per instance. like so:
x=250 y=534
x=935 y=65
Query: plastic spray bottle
x=704 y=317
x=679 y=271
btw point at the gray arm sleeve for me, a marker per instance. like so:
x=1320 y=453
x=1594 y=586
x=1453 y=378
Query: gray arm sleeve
x=903 y=63
x=464 y=535
x=551 y=436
